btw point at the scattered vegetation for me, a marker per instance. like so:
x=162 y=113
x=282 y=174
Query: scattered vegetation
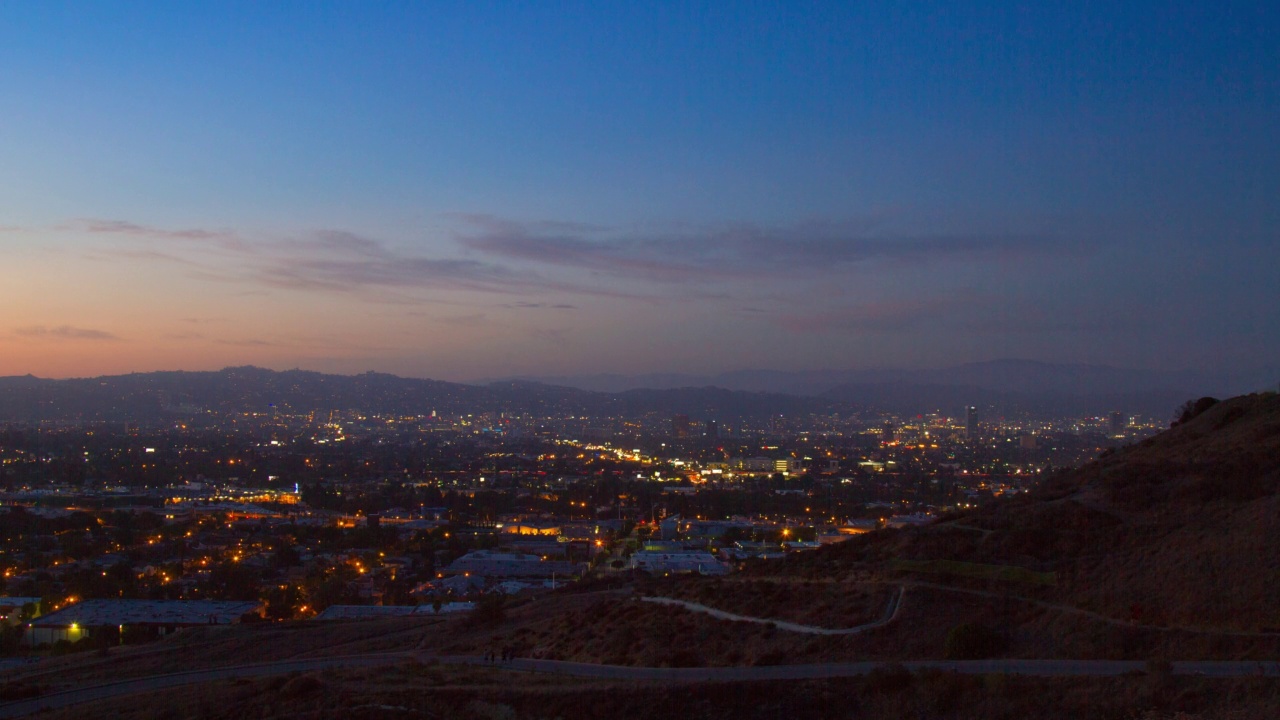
x=418 y=691
x=490 y=610
x=831 y=603
x=1006 y=573
x=1194 y=408
x=974 y=641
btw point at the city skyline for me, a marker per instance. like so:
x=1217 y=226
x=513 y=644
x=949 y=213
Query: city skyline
x=500 y=190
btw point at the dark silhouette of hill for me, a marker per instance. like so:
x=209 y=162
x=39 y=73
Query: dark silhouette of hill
x=1002 y=387
x=717 y=402
x=1181 y=530
x=1008 y=386
x=904 y=397
x=146 y=397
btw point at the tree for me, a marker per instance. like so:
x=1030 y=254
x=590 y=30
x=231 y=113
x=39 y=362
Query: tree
x=490 y=610
x=281 y=602
x=231 y=581
x=286 y=557
x=1192 y=408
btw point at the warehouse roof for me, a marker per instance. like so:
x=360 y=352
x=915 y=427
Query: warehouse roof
x=93 y=613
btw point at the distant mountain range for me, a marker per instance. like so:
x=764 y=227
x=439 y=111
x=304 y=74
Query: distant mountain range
x=1001 y=388
x=1026 y=376
x=146 y=397
x=1005 y=385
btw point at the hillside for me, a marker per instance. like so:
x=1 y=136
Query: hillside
x=1179 y=531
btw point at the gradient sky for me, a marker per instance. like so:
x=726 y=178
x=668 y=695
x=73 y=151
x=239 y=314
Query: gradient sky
x=470 y=189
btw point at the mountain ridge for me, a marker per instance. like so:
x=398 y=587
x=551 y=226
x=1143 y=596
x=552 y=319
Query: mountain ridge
x=997 y=388
x=149 y=396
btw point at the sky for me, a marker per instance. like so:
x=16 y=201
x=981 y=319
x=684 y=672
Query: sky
x=485 y=189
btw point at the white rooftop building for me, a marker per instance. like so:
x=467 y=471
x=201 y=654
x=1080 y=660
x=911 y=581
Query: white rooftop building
x=661 y=563
x=85 y=618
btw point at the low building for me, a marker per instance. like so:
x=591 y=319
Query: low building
x=487 y=563
x=532 y=527
x=746 y=550
x=364 y=612
x=11 y=608
x=913 y=520
x=662 y=563
x=373 y=612
x=542 y=548
x=457 y=585
x=91 y=618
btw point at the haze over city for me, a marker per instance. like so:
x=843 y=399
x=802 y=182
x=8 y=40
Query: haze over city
x=501 y=189
x=641 y=360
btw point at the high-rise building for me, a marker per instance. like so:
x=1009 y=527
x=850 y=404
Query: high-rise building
x=680 y=426
x=971 y=422
x=1118 y=423
x=713 y=430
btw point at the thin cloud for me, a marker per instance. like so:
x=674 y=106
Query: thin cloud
x=539 y=305
x=148 y=254
x=339 y=242
x=393 y=271
x=325 y=261
x=220 y=238
x=879 y=317
x=738 y=252
x=539 y=258
x=462 y=320
x=335 y=261
x=554 y=336
x=494 y=223
x=65 y=332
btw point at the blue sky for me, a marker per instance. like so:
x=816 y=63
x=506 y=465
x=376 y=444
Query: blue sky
x=477 y=189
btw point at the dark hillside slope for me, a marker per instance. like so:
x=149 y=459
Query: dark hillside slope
x=1181 y=530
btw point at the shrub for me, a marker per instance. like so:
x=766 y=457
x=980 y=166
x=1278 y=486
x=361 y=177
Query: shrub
x=490 y=610
x=18 y=690
x=973 y=641
x=683 y=658
x=1191 y=408
x=303 y=685
x=771 y=657
x=889 y=679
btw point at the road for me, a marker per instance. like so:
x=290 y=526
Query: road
x=76 y=696
x=890 y=612
x=817 y=671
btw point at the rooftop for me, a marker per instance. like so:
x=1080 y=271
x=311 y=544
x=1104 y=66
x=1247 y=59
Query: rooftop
x=91 y=613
